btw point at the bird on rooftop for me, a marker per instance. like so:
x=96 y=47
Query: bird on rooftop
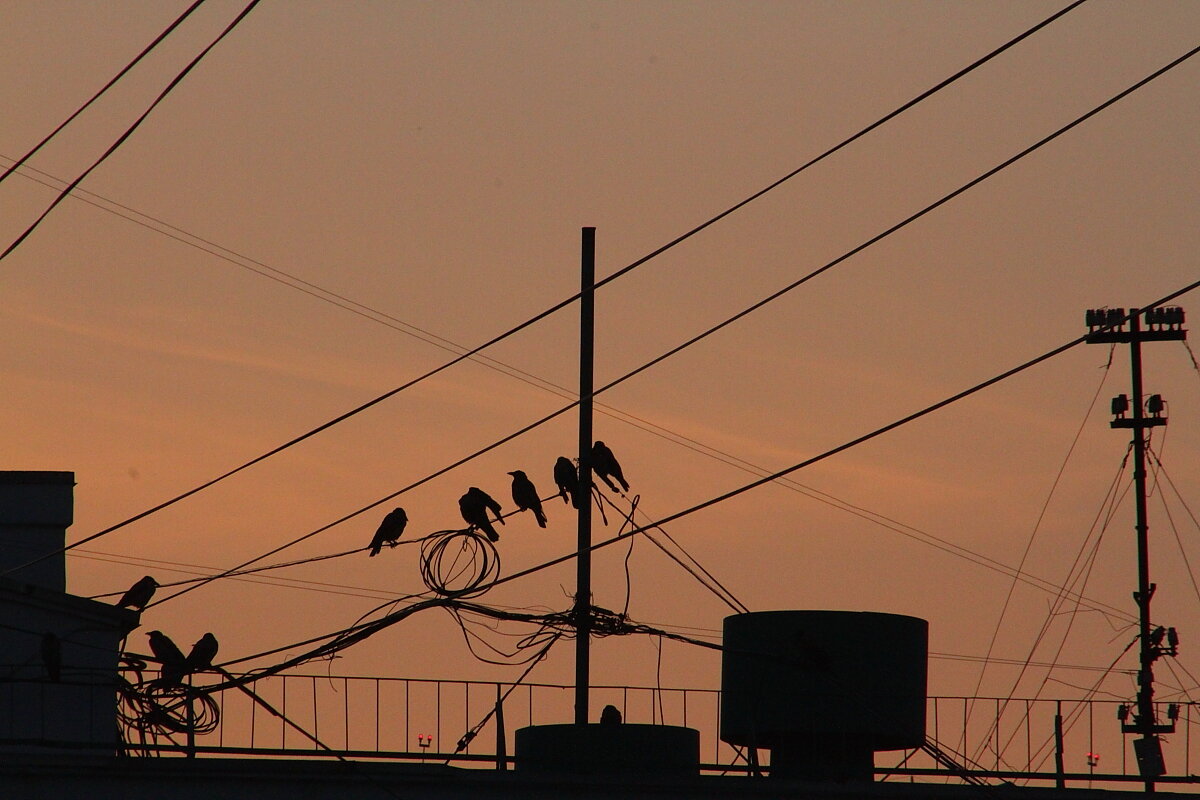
x=202 y=654
x=139 y=594
x=389 y=530
x=474 y=506
x=52 y=656
x=605 y=465
x=525 y=495
x=611 y=715
x=169 y=655
x=567 y=478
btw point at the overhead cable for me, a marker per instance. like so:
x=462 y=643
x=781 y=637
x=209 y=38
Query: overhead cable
x=745 y=312
x=567 y=301
x=21 y=161
x=129 y=131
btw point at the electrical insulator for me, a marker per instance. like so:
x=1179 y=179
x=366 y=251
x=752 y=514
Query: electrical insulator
x=1123 y=712
x=1173 y=712
x=1154 y=405
x=1172 y=637
x=1120 y=404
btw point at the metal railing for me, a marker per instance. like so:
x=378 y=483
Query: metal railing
x=426 y=720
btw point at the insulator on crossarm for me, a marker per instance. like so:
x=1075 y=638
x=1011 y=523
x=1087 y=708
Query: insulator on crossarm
x=1120 y=404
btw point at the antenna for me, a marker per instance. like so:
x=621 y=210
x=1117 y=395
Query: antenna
x=1109 y=326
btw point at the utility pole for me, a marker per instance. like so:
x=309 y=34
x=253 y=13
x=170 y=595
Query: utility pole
x=1112 y=326
x=583 y=561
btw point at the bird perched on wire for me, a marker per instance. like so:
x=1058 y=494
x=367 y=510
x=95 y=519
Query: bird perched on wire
x=474 y=506
x=139 y=594
x=202 y=654
x=567 y=478
x=52 y=656
x=389 y=530
x=170 y=657
x=525 y=495
x=605 y=465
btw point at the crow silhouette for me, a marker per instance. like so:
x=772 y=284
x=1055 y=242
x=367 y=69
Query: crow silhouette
x=567 y=478
x=389 y=531
x=525 y=495
x=202 y=654
x=139 y=594
x=172 y=660
x=605 y=465
x=474 y=506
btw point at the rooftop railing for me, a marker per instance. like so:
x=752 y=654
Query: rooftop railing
x=465 y=723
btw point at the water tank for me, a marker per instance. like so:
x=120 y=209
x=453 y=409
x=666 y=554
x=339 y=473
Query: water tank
x=823 y=690
x=609 y=750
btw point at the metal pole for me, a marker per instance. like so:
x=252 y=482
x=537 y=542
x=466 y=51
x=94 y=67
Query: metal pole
x=1145 y=696
x=583 y=590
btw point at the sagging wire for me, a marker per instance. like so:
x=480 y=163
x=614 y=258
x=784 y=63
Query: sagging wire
x=1159 y=469
x=712 y=584
x=466 y=739
x=1076 y=712
x=1037 y=525
x=1100 y=523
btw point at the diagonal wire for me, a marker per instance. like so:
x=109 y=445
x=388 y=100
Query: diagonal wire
x=1038 y=524
x=129 y=132
x=562 y=304
x=774 y=296
x=21 y=161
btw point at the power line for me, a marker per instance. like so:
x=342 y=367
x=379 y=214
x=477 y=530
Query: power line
x=1038 y=523
x=641 y=423
x=146 y=51
x=563 y=303
x=360 y=630
x=129 y=131
x=847 y=445
x=745 y=312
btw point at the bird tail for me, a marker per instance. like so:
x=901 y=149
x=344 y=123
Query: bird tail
x=541 y=517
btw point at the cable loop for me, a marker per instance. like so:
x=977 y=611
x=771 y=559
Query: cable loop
x=459 y=563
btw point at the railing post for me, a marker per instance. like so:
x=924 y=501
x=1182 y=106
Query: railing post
x=1059 y=772
x=501 y=744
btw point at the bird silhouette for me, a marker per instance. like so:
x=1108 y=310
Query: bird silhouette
x=525 y=495
x=52 y=656
x=389 y=530
x=567 y=478
x=474 y=506
x=139 y=594
x=605 y=465
x=611 y=715
x=171 y=658
x=202 y=654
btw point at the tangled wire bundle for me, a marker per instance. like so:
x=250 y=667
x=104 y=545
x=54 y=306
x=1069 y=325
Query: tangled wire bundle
x=151 y=709
x=459 y=563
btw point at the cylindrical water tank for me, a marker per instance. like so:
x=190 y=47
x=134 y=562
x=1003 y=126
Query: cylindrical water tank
x=813 y=684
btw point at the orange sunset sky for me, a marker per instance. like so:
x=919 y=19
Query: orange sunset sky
x=435 y=162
